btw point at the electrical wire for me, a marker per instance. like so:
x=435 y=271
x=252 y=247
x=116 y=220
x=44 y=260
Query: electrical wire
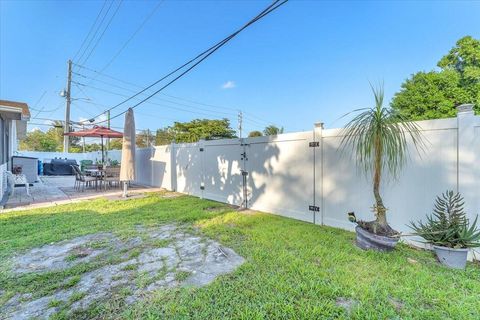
x=95 y=32
x=156 y=98
x=115 y=56
x=104 y=30
x=91 y=29
x=204 y=55
x=247 y=115
x=155 y=103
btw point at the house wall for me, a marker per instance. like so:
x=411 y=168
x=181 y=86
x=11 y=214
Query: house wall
x=8 y=146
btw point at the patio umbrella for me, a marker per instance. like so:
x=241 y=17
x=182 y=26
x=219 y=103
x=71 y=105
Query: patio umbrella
x=97 y=132
x=127 y=169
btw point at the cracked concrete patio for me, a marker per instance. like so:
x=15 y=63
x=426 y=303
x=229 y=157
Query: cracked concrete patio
x=163 y=257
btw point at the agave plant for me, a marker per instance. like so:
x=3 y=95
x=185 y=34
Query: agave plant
x=379 y=137
x=448 y=225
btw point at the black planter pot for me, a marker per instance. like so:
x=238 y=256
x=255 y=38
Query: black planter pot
x=367 y=240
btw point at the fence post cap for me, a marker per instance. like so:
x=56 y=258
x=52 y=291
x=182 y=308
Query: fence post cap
x=466 y=107
x=318 y=125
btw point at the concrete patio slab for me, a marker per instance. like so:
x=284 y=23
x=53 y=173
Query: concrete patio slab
x=56 y=190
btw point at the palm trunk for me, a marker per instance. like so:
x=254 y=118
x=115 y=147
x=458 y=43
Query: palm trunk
x=379 y=208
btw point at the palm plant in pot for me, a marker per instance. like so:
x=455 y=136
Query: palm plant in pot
x=449 y=230
x=379 y=138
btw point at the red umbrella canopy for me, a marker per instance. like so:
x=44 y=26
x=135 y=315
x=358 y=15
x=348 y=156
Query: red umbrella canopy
x=96 y=131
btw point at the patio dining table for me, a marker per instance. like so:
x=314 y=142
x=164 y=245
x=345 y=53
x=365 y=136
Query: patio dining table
x=98 y=174
x=95 y=172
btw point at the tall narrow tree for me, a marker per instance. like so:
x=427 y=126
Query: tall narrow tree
x=379 y=138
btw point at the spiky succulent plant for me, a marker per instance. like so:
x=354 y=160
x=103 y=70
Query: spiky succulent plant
x=448 y=225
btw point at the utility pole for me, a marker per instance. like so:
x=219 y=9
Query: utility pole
x=66 y=128
x=240 y=120
x=148 y=138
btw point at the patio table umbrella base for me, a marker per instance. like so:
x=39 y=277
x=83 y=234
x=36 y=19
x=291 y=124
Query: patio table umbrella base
x=125 y=189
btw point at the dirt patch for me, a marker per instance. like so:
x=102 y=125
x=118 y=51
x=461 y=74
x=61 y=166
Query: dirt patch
x=130 y=196
x=346 y=303
x=163 y=257
x=396 y=303
x=168 y=195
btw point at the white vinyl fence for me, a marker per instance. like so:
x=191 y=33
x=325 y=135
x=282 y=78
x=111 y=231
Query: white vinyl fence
x=305 y=176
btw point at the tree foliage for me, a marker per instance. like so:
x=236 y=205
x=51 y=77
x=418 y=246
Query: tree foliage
x=116 y=144
x=144 y=139
x=193 y=131
x=255 y=133
x=38 y=140
x=164 y=136
x=198 y=129
x=272 y=130
x=49 y=141
x=436 y=94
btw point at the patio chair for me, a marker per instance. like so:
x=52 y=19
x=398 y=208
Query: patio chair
x=84 y=164
x=111 y=176
x=77 y=176
x=81 y=179
x=14 y=179
x=89 y=166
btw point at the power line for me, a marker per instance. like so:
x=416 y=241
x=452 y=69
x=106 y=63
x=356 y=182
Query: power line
x=96 y=31
x=153 y=103
x=133 y=35
x=204 y=55
x=75 y=104
x=47 y=111
x=259 y=120
x=91 y=29
x=246 y=118
x=104 y=30
x=38 y=101
x=157 y=98
x=221 y=44
x=76 y=124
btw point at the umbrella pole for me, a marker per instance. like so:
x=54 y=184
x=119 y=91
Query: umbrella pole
x=103 y=159
x=125 y=186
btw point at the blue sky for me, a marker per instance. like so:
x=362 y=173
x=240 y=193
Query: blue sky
x=308 y=61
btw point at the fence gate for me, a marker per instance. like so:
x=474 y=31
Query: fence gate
x=222 y=169
x=280 y=174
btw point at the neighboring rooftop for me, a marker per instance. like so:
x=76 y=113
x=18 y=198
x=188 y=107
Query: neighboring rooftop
x=15 y=106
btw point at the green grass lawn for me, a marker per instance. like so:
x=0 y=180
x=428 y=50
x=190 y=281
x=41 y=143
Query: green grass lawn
x=292 y=270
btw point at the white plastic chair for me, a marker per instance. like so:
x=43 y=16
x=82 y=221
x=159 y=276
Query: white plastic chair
x=13 y=179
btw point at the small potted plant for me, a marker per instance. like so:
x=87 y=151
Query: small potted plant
x=449 y=231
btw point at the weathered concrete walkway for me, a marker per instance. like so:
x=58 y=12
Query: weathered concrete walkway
x=128 y=269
